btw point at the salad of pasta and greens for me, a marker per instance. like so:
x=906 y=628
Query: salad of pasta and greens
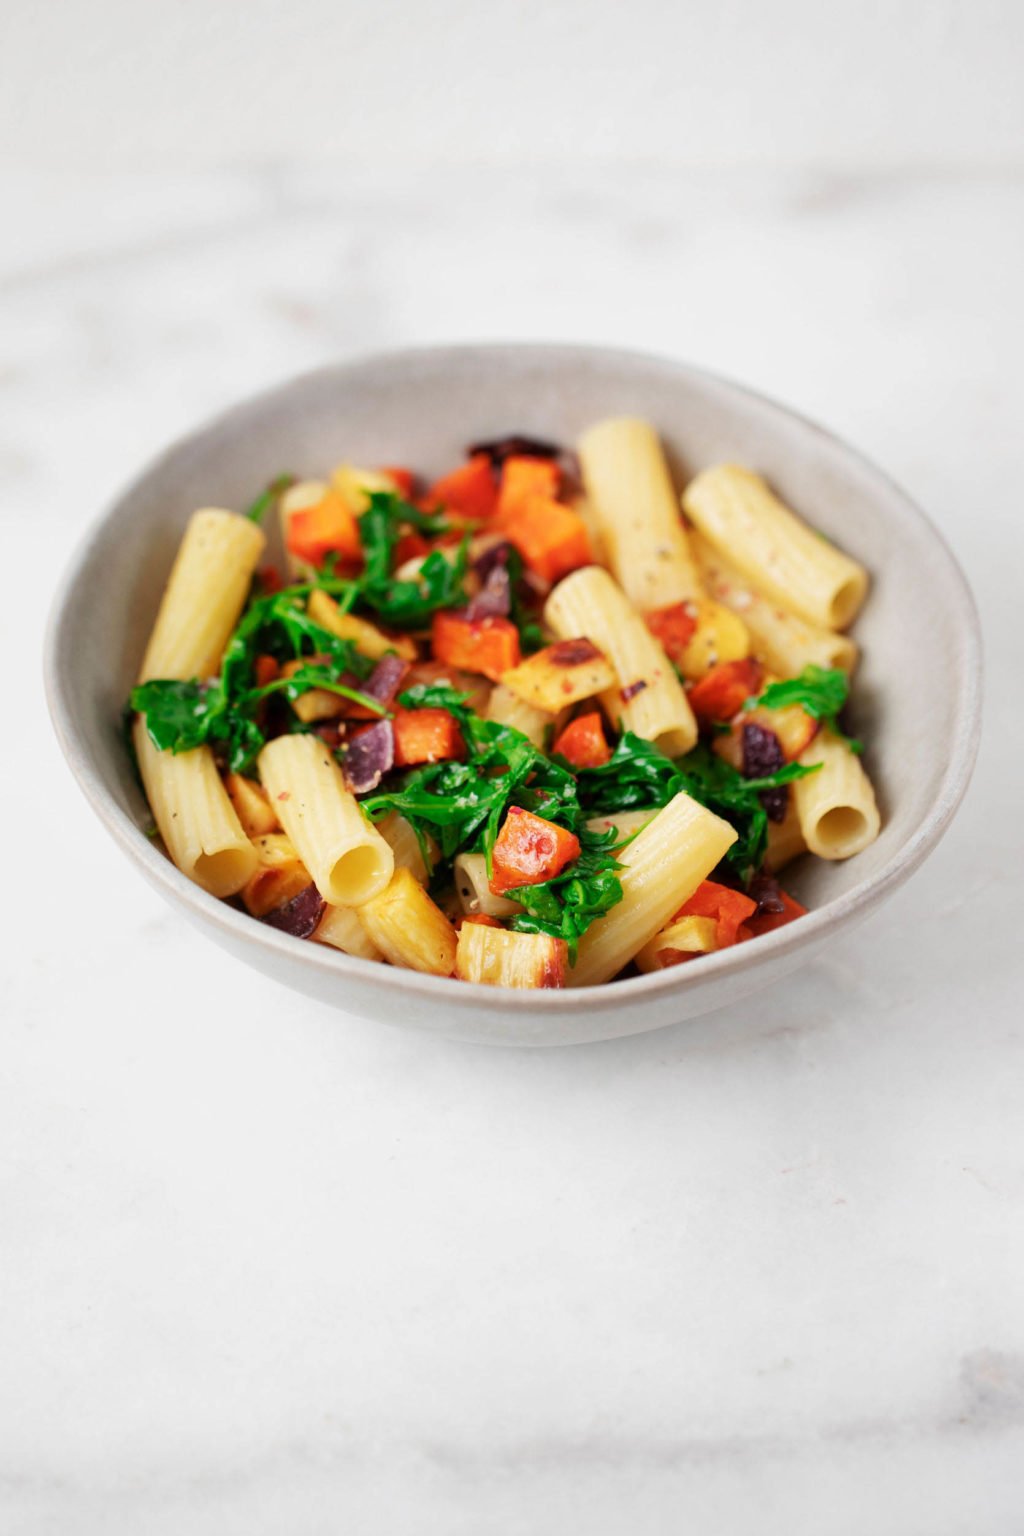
x=534 y=723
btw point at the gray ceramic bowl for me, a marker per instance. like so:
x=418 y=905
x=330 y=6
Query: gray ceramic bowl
x=917 y=698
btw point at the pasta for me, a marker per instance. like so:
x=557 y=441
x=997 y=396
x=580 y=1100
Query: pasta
x=347 y=858
x=473 y=889
x=499 y=730
x=662 y=866
x=785 y=642
x=648 y=699
x=194 y=816
x=204 y=595
x=744 y=520
x=630 y=493
x=836 y=806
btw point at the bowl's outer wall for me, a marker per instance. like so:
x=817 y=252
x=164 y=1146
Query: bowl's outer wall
x=915 y=701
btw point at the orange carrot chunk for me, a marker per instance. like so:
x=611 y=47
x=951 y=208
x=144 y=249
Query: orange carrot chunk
x=583 y=742
x=767 y=922
x=729 y=908
x=674 y=626
x=552 y=539
x=489 y=645
x=425 y=736
x=521 y=478
x=470 y=489
x=329 y=527
x=725 y=689
x=405 y=480
x=529 y=850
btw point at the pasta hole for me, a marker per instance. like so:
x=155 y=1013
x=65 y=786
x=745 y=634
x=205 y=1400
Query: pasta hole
x=225 y=872
x=358 y=875
x=847 y=600
x=842 y=828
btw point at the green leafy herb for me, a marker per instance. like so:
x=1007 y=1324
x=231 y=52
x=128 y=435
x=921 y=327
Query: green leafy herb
x=531 y=636
x=638 y=776
x=566 y=906
x=820 y=691
x=225 y=711
x=462 y=806
x=439 y=584
x=265 y=500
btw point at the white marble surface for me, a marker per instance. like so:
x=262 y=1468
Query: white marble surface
x=723 y=82
x=267 y=1269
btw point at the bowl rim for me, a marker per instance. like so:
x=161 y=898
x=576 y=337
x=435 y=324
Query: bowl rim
x=239 y=926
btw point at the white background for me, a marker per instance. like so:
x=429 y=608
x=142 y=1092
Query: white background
x=265 y=1268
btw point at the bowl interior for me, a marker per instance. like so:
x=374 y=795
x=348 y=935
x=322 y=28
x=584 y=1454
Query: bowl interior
x=917 y=684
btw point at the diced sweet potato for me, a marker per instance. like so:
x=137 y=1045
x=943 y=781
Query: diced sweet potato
x=551 y=538
x=729 y=908
x=583 y=742
x=489 y=645
x=521 y=477
x=426 y=736
x=561 y=674
x=469 y=490
x=329 y=527
x=725 y=689
x=529 y=850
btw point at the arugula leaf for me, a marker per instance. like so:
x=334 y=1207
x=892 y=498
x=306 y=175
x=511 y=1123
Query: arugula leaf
x=531 y=636
x=638 y=775
x=820 y=691
x=439 y=584
x=265 y=500
x=224 y=711
x=566 y=906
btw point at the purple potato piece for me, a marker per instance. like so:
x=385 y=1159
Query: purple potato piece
x=368 y=756
x=494 y=600
x=300 y=916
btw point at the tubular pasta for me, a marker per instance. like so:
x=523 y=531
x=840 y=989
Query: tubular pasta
x=473 y=889
x=745 y=521
x=649 y=700
x=836 y=806
x=197 y=821
x=630 y=491
x=405 y=846
x=205 y=591
x=348 y=859
x=783 y=640
x=662 y=867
